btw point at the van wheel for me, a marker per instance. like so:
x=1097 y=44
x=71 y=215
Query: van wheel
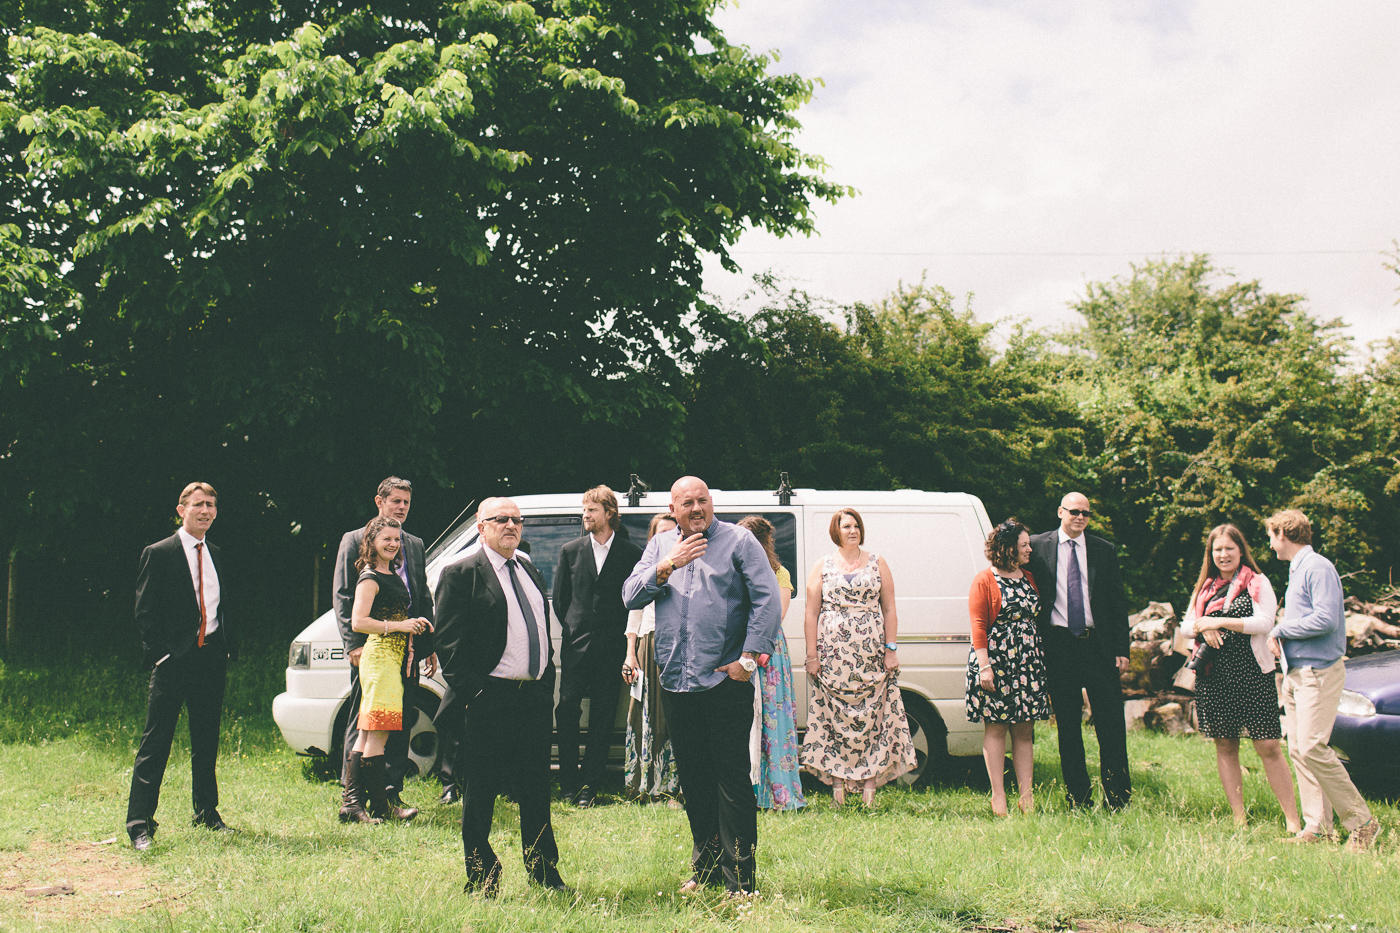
x=930 y=739
x=424 y=749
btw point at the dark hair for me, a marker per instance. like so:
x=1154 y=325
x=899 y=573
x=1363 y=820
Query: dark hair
x=657 y=519
x=372 y=530
x=1001 y=545
x=762 y=529
x=1208 y=568
x=605 y=497
x=835 y=529
x=391 y=483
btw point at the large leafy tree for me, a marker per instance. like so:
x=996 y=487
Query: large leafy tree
x=1209 y=400
x=289 y=246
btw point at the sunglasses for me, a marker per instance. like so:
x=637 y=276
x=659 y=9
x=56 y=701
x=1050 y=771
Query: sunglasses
x=1079 y=513
x=505 y=519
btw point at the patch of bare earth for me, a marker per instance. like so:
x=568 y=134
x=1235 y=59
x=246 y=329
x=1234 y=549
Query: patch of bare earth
x=107 y=882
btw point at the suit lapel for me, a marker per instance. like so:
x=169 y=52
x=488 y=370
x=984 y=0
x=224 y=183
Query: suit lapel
x=1089 y=562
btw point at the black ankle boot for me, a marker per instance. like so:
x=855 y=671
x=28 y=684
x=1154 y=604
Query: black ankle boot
x=352 y=796
x=377 y=790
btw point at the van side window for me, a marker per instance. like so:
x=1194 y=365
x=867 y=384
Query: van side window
x=784 y=533
x=543 y=537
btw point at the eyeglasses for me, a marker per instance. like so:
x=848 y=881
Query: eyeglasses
x=1079 y=513
x=505 y=519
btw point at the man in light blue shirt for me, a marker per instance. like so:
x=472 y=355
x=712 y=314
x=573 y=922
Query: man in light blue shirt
x=1312 y=639
x=717 y=610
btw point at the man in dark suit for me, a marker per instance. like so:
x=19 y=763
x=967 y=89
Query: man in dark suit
x=185 y=636
x=392 y=500
x=494 y=643
x=1084 y=630
x=588 y=603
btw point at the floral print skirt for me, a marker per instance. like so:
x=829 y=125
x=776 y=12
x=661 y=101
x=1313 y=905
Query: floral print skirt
x=1018 y=673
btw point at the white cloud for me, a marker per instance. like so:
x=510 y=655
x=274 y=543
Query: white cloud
x=1234 y=128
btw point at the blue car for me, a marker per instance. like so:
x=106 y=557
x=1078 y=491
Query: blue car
x=1367 y=733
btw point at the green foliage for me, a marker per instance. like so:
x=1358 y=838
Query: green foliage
x=903 y=393
x=291 y=247
x=1211 y=400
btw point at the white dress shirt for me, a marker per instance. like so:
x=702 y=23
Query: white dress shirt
x=515 y=661
x=211 y=578
x=1059 y=613
x=600 y=551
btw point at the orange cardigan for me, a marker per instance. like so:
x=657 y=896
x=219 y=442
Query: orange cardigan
x=984 y=602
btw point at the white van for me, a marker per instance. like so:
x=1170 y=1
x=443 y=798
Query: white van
x=932 y=541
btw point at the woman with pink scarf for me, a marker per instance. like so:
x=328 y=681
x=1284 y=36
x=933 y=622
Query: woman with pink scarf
x=1232 y=610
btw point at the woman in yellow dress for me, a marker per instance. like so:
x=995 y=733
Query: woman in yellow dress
x=381 y=612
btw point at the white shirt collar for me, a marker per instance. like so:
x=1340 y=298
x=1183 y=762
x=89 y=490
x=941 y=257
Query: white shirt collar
x=1065 y=537
x=189 y=540
x=605 y=545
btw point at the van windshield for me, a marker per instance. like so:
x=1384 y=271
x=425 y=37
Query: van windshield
x=461 y=533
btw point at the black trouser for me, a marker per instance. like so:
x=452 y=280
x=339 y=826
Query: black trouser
x=710 y=736
x=194 y=680
x=597 y=676
x=505 y=743
x=395 y=746
x=1073 y=666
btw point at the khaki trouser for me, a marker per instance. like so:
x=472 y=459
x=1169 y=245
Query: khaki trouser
x=1310 y=697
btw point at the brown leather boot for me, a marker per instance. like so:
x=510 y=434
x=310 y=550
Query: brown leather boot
x=352 y=796
x=377 y=789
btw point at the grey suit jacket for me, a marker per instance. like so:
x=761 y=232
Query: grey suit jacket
x=346 y=575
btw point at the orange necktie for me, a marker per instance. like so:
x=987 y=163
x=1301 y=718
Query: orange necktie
x=203 y=617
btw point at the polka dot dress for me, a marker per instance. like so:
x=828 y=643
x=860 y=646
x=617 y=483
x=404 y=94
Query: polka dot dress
x=1236 y=695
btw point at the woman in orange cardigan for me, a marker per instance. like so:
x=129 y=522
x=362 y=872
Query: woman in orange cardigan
x=1005 y=670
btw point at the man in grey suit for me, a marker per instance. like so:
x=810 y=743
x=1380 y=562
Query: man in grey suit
x=1083 y=626
x=392 y=500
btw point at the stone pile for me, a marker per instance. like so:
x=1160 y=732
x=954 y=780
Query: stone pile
x=1373 y=626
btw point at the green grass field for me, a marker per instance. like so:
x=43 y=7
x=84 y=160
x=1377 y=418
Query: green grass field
x=932 y=860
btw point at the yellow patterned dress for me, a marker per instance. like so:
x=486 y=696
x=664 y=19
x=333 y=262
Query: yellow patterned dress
x=382 y=662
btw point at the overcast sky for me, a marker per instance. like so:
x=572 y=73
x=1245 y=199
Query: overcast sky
x=1017 y=150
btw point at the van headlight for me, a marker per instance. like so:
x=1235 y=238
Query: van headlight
x=1356 y=705
x=300 y=655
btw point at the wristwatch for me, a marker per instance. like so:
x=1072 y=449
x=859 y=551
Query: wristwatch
x=748 y=663
x=891 y=646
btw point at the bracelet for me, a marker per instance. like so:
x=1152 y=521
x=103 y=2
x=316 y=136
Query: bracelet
x=810 y=660
x=386 y=626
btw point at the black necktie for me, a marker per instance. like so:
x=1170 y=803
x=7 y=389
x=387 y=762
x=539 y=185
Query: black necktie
x=531 y=627
x=1074 y=596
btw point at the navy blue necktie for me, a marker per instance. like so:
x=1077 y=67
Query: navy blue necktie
x=1074 y=594
x=532 y=628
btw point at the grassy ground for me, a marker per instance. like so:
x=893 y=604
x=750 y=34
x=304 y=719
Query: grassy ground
x=934 y=860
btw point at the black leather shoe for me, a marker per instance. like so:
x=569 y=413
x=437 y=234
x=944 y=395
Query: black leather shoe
x=554 y=885
x=212 y=821
x=142 y=842
x=450 y=794
x=585 y=798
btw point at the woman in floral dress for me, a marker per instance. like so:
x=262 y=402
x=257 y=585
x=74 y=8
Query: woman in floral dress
x=648 y=763
x=857 y=733
x=1006 y=689
x=778 y=779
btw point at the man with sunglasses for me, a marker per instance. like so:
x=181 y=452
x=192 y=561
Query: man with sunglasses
x=1083 y=627
x=493 y=640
